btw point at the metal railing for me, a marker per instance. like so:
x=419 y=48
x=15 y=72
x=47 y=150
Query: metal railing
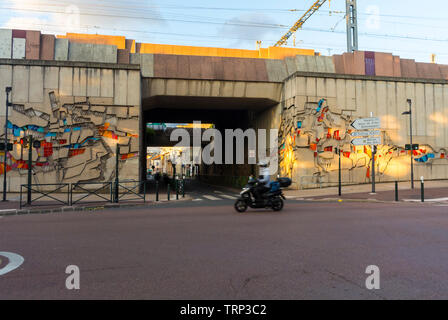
x=132 y=188
x=70 y=194
x=101 y=192
x=44 y=194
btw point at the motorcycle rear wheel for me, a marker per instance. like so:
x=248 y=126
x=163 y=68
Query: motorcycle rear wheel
x=240 y=206
x=277 y=204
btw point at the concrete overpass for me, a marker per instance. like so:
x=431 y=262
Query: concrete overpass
x=81 y=95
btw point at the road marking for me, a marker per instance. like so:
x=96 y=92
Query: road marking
x=211 y=197
x=15 y=261
x=427 y=200
x=216 y=191
x=228 y=197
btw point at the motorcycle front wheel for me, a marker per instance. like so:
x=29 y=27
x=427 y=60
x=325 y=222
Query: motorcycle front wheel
x=240 y=205
x=277 y=204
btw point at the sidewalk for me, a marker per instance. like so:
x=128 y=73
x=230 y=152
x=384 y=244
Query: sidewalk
x=436 y=191
x=46 y=205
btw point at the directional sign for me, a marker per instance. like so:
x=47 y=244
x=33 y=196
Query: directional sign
x=372 y=141
x=366 y=123
x=366 y=133
x=413 y=147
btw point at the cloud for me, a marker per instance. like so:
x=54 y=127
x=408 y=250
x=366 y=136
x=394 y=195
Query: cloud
x=247 y=28
x=60 y=17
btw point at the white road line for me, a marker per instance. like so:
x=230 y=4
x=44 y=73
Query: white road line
x=216 y=191
x=228 y=197
x=198 y=199
x=427 y=200
x=15 y=261
x=211 y=197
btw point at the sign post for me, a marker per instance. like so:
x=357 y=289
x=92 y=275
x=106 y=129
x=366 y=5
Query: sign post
x=367 y=123
x=8 y=104
x=370 y=136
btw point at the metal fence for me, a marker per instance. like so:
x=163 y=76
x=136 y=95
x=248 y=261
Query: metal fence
x=98 y=192
x=69 y=194
x=45 y=192
x=129 y=190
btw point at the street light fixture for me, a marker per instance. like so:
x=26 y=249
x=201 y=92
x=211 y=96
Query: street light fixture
x=8 y=104
x=409 y=101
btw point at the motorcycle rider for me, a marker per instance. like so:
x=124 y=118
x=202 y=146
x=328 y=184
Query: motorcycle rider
x=264 y=180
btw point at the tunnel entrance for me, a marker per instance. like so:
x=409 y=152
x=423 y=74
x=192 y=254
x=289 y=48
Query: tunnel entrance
x=219 y=113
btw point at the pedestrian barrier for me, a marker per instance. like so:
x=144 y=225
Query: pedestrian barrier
x=131 y=188
x=100 y=191
x=47 y=192
x=70 y=194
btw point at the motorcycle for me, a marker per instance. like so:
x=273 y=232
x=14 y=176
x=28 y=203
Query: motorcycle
x=272 y=199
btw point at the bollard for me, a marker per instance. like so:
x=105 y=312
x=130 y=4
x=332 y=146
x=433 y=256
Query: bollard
x=422 y=189
x=157 y=190
x=168 y=191
x=396 y=191
x=177 y=189
x=30 y=168
x=339 y=174
x=183 y=188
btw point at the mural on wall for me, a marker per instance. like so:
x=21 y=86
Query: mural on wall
x=320 y=131
x=77 y=138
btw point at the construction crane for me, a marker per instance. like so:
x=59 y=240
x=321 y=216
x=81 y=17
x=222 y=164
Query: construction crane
x=352 y=24
x=300 y=22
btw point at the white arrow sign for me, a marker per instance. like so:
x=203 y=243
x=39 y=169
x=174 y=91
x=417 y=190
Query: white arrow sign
x=366 y=133
x=366 y=123
x=372 y=141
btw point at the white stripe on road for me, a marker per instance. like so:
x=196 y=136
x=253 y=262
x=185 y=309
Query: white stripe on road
x=228 y=197
x=15 y=261
x=427 y=200
x=211 y=197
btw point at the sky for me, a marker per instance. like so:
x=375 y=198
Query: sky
x=408 y=28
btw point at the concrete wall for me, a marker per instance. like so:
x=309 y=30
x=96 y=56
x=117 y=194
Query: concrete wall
x=213 y=89
x=79 y=114
x=310 y=134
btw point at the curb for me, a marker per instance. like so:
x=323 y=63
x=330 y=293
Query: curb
x=12 y=212
x=359 y=200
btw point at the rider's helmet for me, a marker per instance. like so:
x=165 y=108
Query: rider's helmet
x=263 y=163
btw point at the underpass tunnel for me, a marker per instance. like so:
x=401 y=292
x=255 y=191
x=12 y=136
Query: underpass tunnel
x=222 y=113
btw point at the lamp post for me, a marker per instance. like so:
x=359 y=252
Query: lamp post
x=8 y=104
x=412 y=147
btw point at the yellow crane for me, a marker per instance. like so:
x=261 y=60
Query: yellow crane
x=300 y=22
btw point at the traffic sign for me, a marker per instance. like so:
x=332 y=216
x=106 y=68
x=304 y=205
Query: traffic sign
x=366 y=123
x=413 y=147
x=372 y=141
x=366 y=133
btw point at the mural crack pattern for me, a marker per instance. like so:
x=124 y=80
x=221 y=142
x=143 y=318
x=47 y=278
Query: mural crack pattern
x=75 y=139
x=311 y=136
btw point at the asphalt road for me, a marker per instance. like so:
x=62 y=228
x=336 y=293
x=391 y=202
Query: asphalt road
x=205 y=250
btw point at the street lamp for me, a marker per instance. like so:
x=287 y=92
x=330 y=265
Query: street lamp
x=412 y=147
x=8 y=104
